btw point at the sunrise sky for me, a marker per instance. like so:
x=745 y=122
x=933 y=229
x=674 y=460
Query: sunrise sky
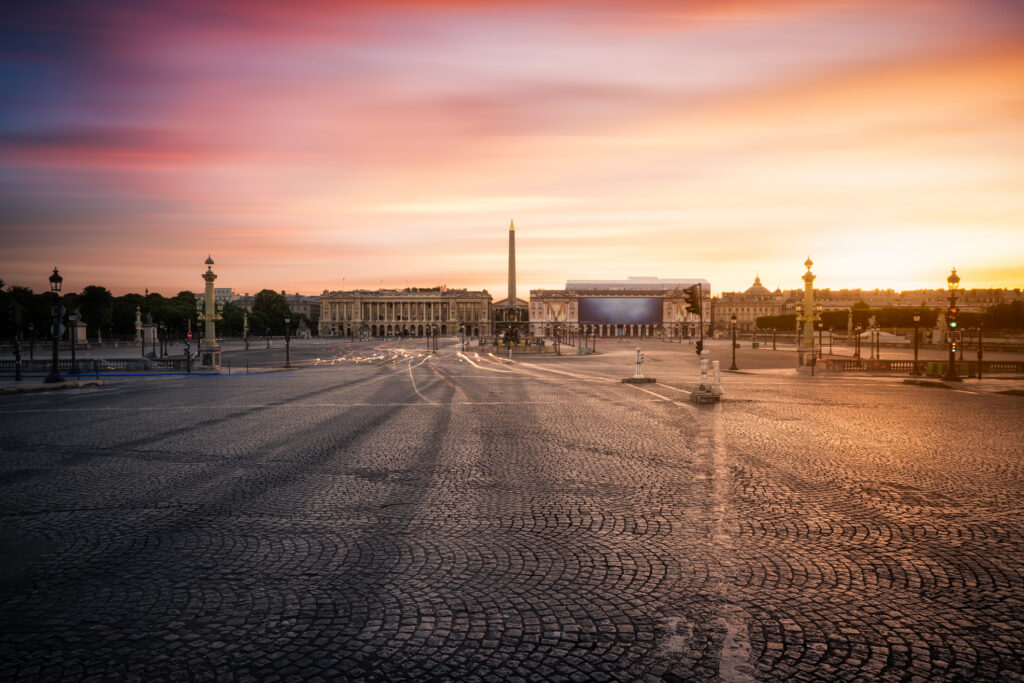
x=313 y=145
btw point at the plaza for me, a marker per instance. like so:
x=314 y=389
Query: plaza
x=383 y=513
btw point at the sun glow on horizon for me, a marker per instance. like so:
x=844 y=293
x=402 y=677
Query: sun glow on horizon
x=383 y=146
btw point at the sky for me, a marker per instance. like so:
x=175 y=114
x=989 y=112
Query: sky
x=323 y=145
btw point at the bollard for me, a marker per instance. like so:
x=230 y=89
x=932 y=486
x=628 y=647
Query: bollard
x=703 y=392
x=637 y=374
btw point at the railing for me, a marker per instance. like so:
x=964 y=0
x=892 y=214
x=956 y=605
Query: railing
x=90 y=366
x=929 y=368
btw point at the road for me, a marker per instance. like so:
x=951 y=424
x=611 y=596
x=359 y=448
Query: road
x=378 y=513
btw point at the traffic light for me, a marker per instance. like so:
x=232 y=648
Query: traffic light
x=954 y=345
x=700 y=346
x=693 y=299
x=951 y=317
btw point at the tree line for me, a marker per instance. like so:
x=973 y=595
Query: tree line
x=1006 y=316
x=110 y=317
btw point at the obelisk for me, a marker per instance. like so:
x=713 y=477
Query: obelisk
x=511 y=264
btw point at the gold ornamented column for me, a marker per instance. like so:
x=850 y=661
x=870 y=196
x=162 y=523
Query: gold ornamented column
x=806 y=317
x=210 y=350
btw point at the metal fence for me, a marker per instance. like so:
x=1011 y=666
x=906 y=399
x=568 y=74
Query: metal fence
x=90 y=366
x=927 y=368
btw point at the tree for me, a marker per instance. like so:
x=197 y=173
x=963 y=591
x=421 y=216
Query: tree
x=233 y=323
x=272 y=308
x=97 y=307
x=1008 y=316
x=777 y=322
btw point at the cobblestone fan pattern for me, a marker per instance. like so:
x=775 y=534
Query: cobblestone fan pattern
x=391 y=516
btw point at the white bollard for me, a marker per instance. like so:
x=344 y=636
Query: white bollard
x=716 y=385
x=639 y=360
x=704 y=355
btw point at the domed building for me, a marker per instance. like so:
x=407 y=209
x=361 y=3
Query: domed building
x=748 y=306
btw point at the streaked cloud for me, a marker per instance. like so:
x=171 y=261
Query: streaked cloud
x=396 y=140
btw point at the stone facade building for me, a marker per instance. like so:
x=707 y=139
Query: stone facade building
x=756 y=301
x=635 y=307
x=405 y=312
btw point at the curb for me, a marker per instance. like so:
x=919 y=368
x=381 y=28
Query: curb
x=927 y=383
x=35 y=388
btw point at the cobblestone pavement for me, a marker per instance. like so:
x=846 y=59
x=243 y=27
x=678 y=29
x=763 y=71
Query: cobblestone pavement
x=389 y=516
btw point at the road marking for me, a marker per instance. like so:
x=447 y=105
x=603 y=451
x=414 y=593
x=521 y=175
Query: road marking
x=648 y=391
x=480 y=367
x=413 y=380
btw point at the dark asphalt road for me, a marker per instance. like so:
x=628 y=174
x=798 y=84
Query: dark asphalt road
x=380 y=515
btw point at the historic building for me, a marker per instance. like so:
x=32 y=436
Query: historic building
x=220 y=294
x=405 y=312
x=635 y=307
x=756 y=301
x=298 y=303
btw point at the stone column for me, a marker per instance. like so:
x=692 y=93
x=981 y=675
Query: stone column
x=209 y=350
x=805 y=341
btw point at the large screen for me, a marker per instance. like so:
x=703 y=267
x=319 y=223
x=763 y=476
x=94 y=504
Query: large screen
x=620 y=310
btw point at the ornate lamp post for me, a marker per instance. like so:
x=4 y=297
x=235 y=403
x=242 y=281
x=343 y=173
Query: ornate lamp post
x=31 y=340
x=981 y=328
x=818 y=321
x=73 y=325
x=799 y=308
x=773 y=339
x=733 y=321
x=267 y=335
x=138 y=331
x=805 y=333
x=245 y=329
x=953 y=281
x=287 y=343
x=55 y=283
x=856 y=342
x=209 y=349
x=917 y=319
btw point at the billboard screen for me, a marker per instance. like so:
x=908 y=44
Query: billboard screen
x=620 y=310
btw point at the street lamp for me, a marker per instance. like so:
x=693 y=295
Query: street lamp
x=818 y=307
x=799 y=308
x=287 y=343
x=55 y=283
x=856 y=342
x=31 y=340
x=953 y=281
x=773 y=339
x=914 y=371
x=72 y=320
x=981 y=329
x=733 y=320
x=245 y=329
x=267 y=335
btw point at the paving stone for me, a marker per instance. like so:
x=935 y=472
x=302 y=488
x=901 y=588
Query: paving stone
x=409 y=519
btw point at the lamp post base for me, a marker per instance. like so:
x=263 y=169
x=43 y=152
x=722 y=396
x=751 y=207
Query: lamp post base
x=209 y=356
x=53 y=378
